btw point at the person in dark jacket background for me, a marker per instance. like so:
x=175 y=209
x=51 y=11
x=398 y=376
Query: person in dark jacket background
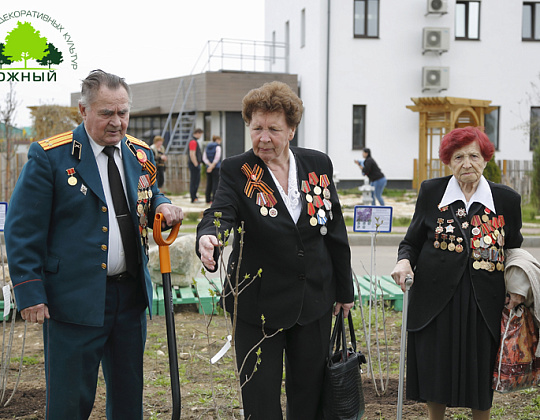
x=194 y=164
x=212 y=159
x=376 y=178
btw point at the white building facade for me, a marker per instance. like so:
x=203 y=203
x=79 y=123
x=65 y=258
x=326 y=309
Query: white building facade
x=359 y=63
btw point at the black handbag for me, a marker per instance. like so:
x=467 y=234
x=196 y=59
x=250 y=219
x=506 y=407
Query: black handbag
x=343 y=397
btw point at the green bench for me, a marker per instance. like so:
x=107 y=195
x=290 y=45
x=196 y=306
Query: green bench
x=390 y=290
x=2 y=311
x=198 y=293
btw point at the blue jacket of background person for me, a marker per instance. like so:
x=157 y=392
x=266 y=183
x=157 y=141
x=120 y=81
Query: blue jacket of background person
x=57 y=233
x=211 y=152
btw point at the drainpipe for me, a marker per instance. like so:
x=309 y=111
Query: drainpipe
x=327 y=75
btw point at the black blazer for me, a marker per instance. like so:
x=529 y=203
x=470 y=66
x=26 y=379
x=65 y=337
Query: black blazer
x=437 y=272
x=303 y=271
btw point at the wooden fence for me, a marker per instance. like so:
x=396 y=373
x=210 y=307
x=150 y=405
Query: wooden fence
x=176 y=176
x=10 y=173
x=515 y=173
x=518 y=175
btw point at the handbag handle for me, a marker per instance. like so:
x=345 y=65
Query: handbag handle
x=335 y=339
x=351 y=331
x=339 y=335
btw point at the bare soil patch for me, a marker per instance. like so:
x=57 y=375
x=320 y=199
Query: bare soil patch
x=208 y=392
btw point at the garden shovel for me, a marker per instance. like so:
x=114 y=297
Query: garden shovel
x=408 y=283
x=165 y=267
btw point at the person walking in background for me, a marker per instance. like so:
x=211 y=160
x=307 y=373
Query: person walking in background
x=160 y=157
x=76 y=239
x=212 y=160
x=376 y=178
x=194 y=163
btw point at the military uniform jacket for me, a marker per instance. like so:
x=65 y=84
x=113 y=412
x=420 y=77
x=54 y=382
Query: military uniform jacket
x=57 y=233
x=437 y=271
x=303 y=272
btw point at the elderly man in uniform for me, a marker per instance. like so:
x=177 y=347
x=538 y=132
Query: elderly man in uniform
x=76 y=236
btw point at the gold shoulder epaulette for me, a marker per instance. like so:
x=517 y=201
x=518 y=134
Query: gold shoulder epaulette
x=138 y=142
x=57 y=140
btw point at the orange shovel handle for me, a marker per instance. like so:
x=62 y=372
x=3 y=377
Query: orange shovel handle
x=164 y=255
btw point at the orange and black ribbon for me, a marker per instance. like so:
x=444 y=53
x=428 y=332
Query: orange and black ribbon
x=254 y=180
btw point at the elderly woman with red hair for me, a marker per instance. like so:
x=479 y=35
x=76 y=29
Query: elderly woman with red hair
x=455 y=251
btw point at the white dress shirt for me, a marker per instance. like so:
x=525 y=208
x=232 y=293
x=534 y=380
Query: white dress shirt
x=482 y=195
x=292 y=196
x=116 y=260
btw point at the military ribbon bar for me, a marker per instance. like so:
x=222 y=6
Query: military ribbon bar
x=318 y=201
x=271 y=200
x=313 y=178
x=325 y=182
x=305 y=187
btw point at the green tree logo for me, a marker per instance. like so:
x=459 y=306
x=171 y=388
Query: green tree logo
x=52 y=56
x=24 y=43
x=4 y=59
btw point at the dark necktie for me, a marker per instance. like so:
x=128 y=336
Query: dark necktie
x=127 y=231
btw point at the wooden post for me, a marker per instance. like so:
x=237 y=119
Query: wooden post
x=422 y=149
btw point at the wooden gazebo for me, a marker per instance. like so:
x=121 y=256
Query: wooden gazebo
x=438 y=116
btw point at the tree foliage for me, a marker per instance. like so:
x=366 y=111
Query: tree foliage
x=4 y=59
x=53 y=56
x=49 y=120
x=535 y=193
x=492 y=171
x=25 y=43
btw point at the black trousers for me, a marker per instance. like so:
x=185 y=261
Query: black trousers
x=212 y=180
x=160 y=176
x=73 y=354
x=195 y=180
x=305 y=348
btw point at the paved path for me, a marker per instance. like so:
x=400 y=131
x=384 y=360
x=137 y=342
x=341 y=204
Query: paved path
x=400 y=208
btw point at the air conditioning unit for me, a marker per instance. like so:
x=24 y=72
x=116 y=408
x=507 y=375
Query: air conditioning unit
x=436 y=39
x=437 y=6
x=435 y=78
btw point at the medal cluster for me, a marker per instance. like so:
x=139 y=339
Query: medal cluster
x=487 y=238
x=265 y=196
x=319 y=207
x=144 y=196
x=487 y=241
x=447 y=233
x=264 y=200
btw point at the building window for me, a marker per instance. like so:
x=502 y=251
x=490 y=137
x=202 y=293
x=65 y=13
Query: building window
x=491 y=121
x=366 y=18
x=534 y=129
x=359 y=127
x=468 y=20
x=303 y=29
x=531 y=22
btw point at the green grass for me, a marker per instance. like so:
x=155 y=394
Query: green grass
x=529 y=213
x=401 y=221
x=396 y=194
x=192 y=218
x=27 y=360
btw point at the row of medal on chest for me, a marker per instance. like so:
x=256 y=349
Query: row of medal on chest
x=143 y=208
x=486 y=242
